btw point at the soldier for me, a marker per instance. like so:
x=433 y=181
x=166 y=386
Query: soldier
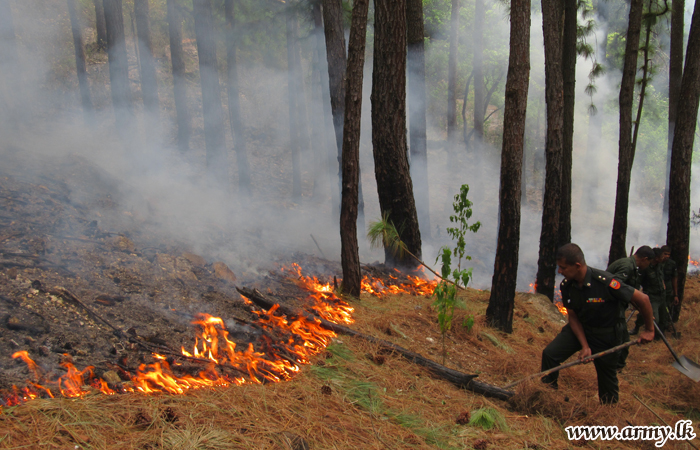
x=628 y=270
x=595 y=302
x=670 y=270
x=653 y=286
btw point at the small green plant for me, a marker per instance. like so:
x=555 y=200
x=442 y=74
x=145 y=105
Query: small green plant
x=468 y=323
x=383 y=233
x=446 y=290
x=487 y=418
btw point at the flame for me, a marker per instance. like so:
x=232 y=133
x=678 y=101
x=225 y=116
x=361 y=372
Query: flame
x=557 y=298
x=693 y=262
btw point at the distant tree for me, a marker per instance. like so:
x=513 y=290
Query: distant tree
x=80 y=61
x=295 y=121
x=626 y=151
x=678 y=232
x=478 y=71
x=499 y=313
x=100 y=24
x=118 y=62
x=569 y=55
x=234 y=104
x=179 y=81
x=552 y=22
x=388 y=97
x=217 y=163
x=350 y=257
x=147 y=64
x=416 y=110
x=452 y=77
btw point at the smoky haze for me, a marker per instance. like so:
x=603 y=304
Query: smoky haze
x=158 y=188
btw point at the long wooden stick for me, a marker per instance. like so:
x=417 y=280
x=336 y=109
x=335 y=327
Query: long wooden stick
x=572 y=363
x=658 y=416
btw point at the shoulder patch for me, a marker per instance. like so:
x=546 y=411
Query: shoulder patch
x=614 y=284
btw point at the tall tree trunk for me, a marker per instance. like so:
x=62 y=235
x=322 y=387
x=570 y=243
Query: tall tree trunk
x=626 y=158
x=452 y=78
x=295 y=122
x=675 y=76
x=499 y=313
x=644 y=82
x=100 y=24
x=337 y=64
x=678 y=233
x=350 y=256
x=118 y=63
x=416 y=117
x=8 y=40
x=217 y=163
x=179 y=81
x=234 y=104
x=552 y=21
x=149 y=83
x=328 y=141
x=80 y=61
x=479 y=106
x=569 y=78
x=391 y=169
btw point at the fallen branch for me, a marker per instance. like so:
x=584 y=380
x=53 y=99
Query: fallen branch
x=459 y=379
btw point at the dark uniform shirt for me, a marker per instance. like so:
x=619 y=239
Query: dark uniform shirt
x=653 y=280
x=670 y=270
x=598 y=302
x=625 y=270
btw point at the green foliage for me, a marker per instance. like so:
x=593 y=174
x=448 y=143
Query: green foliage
x=446 y=292
x=468 y=323
x=487 y=418
x=383 y=233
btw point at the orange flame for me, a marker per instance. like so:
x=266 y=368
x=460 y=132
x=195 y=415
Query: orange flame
x=557 y=299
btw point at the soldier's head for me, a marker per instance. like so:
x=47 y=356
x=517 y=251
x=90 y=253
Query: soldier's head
x=658 y=255
x=644 y=256
x=666 y=250
x=571 y=262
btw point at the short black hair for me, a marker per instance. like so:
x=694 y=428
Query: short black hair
x=571 y=253
x=658 y=252
x=666 y=248
x=645 y=252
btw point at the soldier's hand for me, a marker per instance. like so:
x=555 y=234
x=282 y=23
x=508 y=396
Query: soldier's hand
x=584 y=353
x=645 y=336
x=676 y=301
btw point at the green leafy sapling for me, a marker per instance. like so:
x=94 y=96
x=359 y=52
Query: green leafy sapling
x=446 y=291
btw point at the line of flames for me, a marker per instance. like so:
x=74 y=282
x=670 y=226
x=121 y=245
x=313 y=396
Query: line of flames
x=557 y=298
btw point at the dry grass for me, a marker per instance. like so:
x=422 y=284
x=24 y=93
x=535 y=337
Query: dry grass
x=356 y=397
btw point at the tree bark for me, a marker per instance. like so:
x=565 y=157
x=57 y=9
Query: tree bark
x=452 y=77
x=337 y=65
x=678 y=231
x=8 y=40
x=417 y=117
x=569 y=78
x=149 y=83
x=626 y=152
x=479 y=106
x=295 y=122
x=350 y=256
x=80 y=61
x=234 y=105
x=118 y=62
x=100 y=24
x=675 y=76
x=499 y=313
x=217 y=163
x=391 y=169
x=179 y=81
x=552 y=21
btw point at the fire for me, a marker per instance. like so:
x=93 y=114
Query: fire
x=557 y=299
x=692 y=262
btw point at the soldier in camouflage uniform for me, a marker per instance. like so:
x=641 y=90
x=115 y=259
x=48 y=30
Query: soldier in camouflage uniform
x=595 y=302
x=628 y=270
x=670 y=270
x=653 y=286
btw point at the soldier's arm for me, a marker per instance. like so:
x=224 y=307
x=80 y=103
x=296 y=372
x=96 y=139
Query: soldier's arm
x=577 y=328
x=641 y=302
x=674 y=283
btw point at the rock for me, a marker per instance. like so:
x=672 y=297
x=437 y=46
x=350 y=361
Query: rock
x=195 y=260
x=222 y=271
x=123 y=244
x=111 y=377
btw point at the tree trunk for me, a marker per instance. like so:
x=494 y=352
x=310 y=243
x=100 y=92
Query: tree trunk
x=149 y=84
x=100 y=24
x=569 y=79
x=452 y=78
x=678 y=233
x=337 y=63
x=8 y=41
x=329 y=142
x=118 y=62
x=499 y=313
x=217 y=164
x=234 y=105
x=416 y=117
x=644 y=82
x=479 y=106
x=626 y=158
x=350 y=256
x=675 y=75
x=295 y=122
x=552 y=21
x=391 y=169
x=80 y=61
x=179 y=81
